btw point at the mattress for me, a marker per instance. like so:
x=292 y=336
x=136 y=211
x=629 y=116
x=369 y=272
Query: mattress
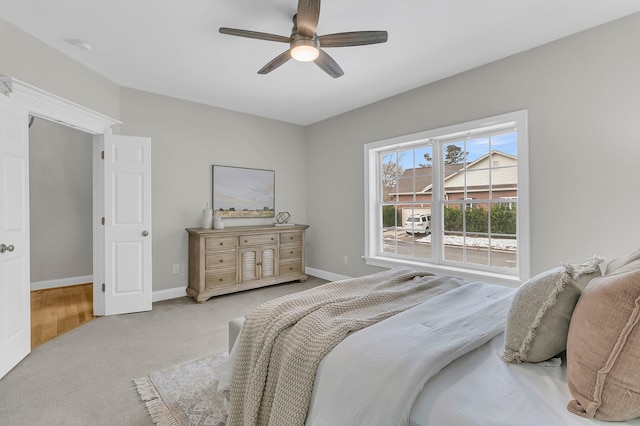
x=480 y=389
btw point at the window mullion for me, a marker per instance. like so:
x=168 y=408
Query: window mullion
x=437 y=205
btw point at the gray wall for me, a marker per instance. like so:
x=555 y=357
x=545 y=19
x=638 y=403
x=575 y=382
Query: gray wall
x=61 y=201
x=581 y=93
x=186 y=139
x=36 y=63
x=584 y=128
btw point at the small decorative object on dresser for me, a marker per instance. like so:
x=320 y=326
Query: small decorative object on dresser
x=238 y=258
x=282 y=219
x=217 y=222
x=207 y=217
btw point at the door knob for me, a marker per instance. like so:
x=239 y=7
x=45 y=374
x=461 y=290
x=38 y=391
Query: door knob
x=145 y=233
x=8 y=248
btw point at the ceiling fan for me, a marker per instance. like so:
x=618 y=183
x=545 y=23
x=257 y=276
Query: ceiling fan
x=305 y=45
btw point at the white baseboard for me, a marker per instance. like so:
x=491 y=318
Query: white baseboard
x=325 y=275
x=172 y=293
x=61 y=282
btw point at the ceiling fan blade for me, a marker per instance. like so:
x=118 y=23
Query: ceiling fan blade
x=307 y=17
x=328 y=65
x=254 y=34
x=275 y=62
x=355 y=38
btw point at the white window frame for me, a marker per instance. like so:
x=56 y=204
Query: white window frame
x=373 y=257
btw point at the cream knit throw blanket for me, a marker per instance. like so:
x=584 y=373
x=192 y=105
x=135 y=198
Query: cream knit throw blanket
x=283 y=341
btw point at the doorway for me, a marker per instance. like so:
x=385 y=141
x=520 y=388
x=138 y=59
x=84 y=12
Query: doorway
x=61 y=231
x=121 y=212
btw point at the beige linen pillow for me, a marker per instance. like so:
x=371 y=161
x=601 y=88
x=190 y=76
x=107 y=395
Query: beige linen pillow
x=623 y=261
x=539 y=316
x=603 y=347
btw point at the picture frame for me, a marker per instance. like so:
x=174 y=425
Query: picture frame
x=240 y=192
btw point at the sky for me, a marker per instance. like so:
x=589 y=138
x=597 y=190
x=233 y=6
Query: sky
x=476 y=148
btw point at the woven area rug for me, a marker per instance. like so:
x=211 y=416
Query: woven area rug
x=185 y=394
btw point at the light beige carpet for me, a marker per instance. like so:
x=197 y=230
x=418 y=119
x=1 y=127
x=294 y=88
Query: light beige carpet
x=185 y=394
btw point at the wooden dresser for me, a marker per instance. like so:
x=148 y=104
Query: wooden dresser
x=223 y=261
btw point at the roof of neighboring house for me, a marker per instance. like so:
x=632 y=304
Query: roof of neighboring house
x=423 y=175
x=423 y=178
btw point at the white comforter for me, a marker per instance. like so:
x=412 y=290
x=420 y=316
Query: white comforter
x=374 y=376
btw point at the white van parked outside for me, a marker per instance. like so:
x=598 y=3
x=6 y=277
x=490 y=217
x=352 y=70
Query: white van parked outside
x=418 y=223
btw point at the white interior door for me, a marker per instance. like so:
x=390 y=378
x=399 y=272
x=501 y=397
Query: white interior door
x=127 y=224
x=15 y=314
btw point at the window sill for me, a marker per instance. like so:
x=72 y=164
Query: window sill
x=467 y=274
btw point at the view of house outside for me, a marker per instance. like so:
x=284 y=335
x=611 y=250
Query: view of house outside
x=477 y=209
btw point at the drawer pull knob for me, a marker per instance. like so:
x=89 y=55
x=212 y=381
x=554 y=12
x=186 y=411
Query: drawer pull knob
x=246 y=241
x=221 y=279
x=221 y=243
x=290 y=252
x=291 y=238
x=221 y=260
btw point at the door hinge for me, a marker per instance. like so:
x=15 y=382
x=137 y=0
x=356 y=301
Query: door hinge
x=103 y=287
x=7 y=86
x=102 y=155
x=102 y=220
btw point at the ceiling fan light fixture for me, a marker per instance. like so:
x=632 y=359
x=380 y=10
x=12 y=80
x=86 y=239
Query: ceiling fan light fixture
x=304 y=42
x=304 y=50
x=304 y=53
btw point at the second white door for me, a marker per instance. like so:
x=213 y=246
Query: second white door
x=127 y=224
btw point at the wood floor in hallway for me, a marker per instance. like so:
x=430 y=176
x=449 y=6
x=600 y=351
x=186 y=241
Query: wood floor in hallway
x=55 y=311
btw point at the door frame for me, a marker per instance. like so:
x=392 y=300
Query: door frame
x=51 y=107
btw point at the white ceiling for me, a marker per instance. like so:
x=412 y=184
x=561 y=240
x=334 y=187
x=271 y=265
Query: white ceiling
x=173 y=47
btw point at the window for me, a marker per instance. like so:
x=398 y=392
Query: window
x=468 y=204
x=452 y=200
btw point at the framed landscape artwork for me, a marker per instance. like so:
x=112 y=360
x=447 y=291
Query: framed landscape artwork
x=243 y=192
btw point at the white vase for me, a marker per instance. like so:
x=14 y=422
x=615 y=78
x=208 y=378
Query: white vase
x=207 y=218
x=217 y=222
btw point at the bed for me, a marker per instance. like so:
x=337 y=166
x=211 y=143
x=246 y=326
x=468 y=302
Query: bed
x=439 y=361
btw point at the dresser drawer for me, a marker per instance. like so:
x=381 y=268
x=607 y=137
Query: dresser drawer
x=290 y=252
x=258 y=240
x=219 y=279
x=290 y=237
x=287 y=268
x=220 y=260
x=218 y=243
